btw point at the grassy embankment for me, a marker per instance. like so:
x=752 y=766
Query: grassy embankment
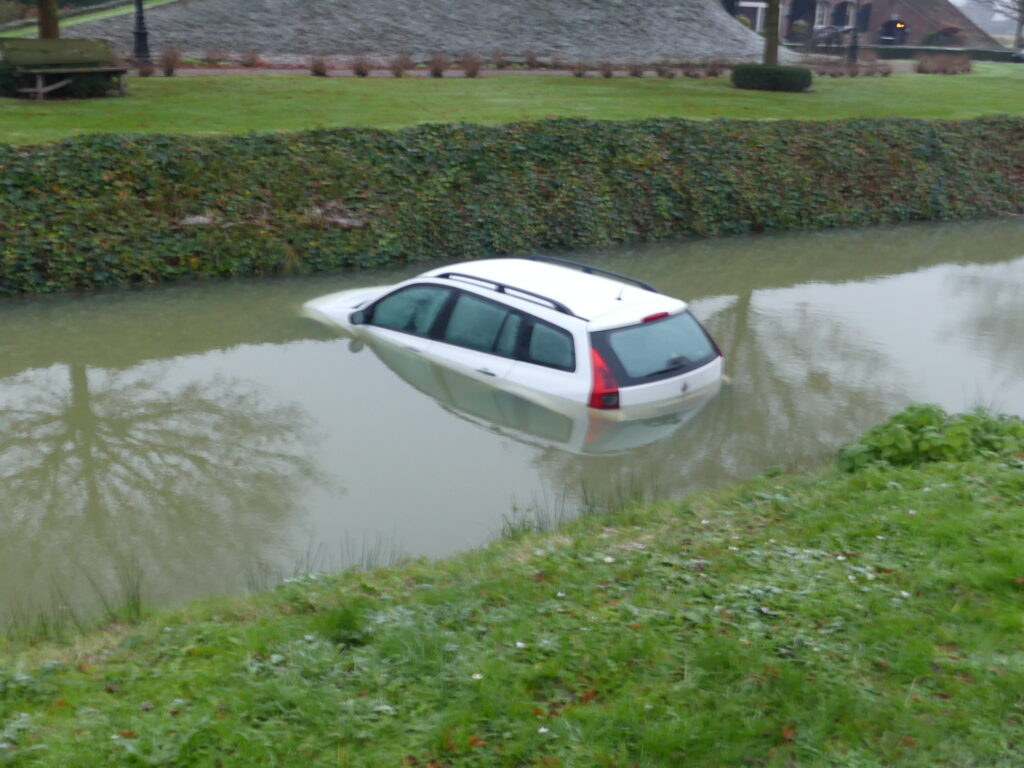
x=236 y=104
x=71 y=21
x=861 y=618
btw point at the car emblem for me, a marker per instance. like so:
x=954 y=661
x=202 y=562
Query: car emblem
x=686 y=386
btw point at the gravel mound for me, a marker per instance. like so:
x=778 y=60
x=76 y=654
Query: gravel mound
x=618 y=31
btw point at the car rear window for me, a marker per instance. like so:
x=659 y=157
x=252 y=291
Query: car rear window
x=657 y=349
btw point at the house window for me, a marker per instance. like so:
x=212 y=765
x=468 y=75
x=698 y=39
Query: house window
x=754 y=10
x=821 y=12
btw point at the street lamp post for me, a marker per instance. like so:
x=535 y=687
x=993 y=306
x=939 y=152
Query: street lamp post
x=141 y=36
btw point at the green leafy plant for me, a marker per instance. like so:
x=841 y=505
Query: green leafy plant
x=925 y=432
x=449 y=192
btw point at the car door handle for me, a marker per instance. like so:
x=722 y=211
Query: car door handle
x=485 y=372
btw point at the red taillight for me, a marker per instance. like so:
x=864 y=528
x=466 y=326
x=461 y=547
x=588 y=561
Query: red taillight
x=655 y=316
x=605 y=393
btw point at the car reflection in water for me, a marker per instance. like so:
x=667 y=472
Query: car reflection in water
x=567 y=426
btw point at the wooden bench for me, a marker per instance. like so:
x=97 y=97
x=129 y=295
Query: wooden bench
x=48 y=65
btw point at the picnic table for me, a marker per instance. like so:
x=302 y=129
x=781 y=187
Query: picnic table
x=45 y=66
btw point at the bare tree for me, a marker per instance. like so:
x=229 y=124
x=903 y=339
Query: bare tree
x=49 y=25
x=1012 y=9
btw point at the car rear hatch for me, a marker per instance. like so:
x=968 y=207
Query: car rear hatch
x=662 y=359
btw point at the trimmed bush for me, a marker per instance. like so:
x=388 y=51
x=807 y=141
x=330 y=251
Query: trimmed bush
x=8 y=80
x=760 y=77
x=331 y=199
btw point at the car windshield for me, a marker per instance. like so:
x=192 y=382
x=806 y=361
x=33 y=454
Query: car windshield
x=662 y=347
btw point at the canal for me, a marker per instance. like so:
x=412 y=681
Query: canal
x=201 y=439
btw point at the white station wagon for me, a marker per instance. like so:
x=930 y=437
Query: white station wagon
x=550 y=330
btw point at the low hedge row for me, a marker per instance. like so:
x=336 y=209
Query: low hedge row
x=110 y=209
x=912 y=51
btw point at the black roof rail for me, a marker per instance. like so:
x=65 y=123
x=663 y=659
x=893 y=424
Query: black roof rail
x=511 y=290
x=590 y=270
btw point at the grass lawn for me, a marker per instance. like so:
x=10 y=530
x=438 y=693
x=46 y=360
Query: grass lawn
x=261 y=103
x=866 y=619
x=30 y=31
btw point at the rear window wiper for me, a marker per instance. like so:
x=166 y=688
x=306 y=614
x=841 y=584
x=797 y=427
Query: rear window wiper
x=672 y=364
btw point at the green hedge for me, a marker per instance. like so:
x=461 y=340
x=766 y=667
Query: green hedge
x=912 y=51
x=760 y=77
x=112 y=210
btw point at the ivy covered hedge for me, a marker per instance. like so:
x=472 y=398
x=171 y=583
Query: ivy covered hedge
x=110 y=210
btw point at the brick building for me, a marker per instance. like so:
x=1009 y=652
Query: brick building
x=878 y=21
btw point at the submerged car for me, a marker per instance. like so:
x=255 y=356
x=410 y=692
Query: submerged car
x=550 y=330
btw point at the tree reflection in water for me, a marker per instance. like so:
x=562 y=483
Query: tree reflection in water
x=103 y=470
x=995 y=320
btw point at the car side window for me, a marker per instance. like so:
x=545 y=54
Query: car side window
x=552 y=347
x=412 y=310
x=477 y=323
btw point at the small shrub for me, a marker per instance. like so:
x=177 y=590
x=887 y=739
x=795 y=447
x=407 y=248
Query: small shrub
x=925 y=432
x=470 y=63
x=560 y=63
x=251 y=59
x=636 y=69
x=361 y=66
x=318 y=66
x=716 y=68
x=942 y=63
x=400 y=64
x=759 y=77
x=142 y=69
x=170 y=58
x=499 y=61
x=437 y=64
x=530 y=60
x=664 y=68
x=213 y=57
x=606 y=69
x=580 y=69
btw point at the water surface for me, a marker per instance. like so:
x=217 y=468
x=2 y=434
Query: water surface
x=207 y=438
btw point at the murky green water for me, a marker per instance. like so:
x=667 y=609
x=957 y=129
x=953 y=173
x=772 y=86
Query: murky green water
x=209 y=439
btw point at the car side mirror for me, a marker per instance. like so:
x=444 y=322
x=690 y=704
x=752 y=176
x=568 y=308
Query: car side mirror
x=357 y=318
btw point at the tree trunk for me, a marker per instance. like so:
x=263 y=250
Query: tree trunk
x=49 y=26
x=771 y=34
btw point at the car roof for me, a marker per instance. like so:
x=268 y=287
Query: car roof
x=601 y=301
